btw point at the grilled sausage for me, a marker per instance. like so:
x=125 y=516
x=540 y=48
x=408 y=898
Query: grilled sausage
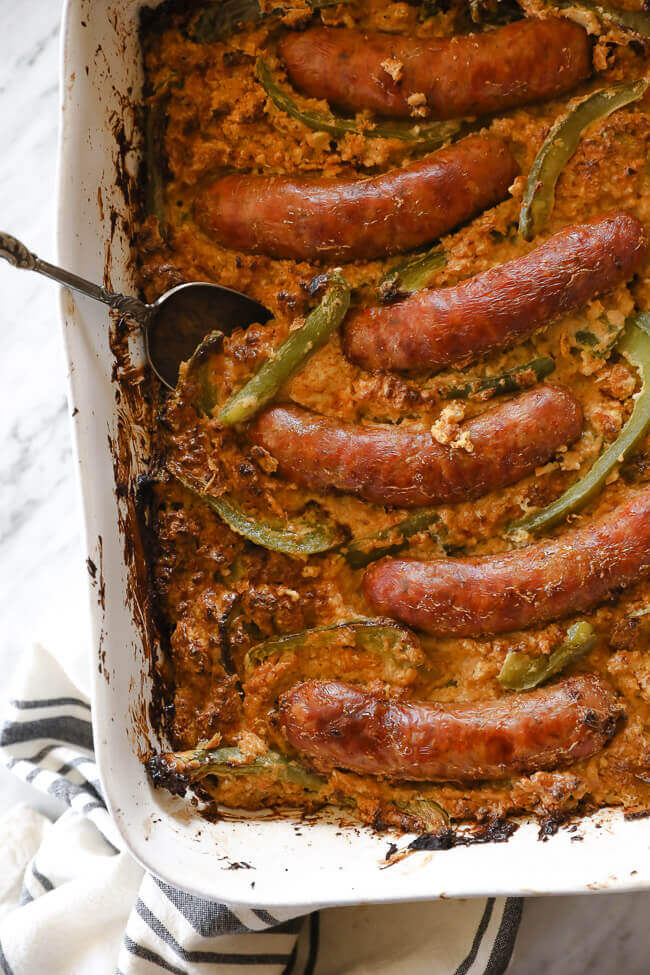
x=342 y=726
x=397 y=466
x=476 y=74
x=435 y=328
x=496 y=593
x=307 y=218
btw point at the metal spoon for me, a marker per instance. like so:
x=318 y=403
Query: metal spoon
x=173 y=325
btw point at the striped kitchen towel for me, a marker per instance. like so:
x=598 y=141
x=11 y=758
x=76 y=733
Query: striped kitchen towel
x=73 y=902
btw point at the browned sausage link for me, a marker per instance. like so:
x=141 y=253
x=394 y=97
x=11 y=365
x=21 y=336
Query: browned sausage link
x=497 y=593
x=476 y=74
x=407 y=468
x=341 y=726
x=307 y=218
x=436 y=328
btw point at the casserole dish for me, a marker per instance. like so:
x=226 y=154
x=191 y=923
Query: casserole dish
x=246 y=861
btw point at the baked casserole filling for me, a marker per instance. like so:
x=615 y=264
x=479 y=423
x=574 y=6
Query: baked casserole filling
x=401 y=551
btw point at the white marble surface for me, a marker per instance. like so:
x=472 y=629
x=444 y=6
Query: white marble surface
x=40 y=545
x=41 y=556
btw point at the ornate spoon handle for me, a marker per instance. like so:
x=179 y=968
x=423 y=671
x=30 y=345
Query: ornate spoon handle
x=15 y=252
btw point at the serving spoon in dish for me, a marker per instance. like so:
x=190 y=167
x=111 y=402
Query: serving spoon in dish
x=173 y=326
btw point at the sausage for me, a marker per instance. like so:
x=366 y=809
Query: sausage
x=342 y=219
x=436 y=328
x=496 y=593
x=341 y=726
x=408 y=468
x=477 y=74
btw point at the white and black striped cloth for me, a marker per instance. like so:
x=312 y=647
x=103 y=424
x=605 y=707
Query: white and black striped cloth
x=86 y=908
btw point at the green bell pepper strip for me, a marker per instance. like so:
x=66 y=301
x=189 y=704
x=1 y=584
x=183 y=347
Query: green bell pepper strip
x=494 y=12
x=176 y=771
x=300 y=537
x=521 y=672
x=380 y=636
x=154 y=141
x=360 y=552
x=196 y=373
x=635 y=346
x=412 y=276
x=637 y=21
x=291 y=356
x=218 y=20
x=429 y=812
x=560 y=145
x=599 y=346
x=521 y=377
x=420 y=136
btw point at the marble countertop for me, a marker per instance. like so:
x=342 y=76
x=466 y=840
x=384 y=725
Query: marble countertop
x=42 y=576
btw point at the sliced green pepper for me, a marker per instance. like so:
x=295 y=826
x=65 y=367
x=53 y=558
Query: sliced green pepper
x=218 y=20
x=599 y=345
x=560 y=145
x=380 y=636
x=494 y=12
x=430 y=813
x=196 y=374
x=176 y=771
x=521 y=377
x=303 y=536
x=412 y=276
x=521 y=672
x=154 y=155
x=360 y=552
x=292 y=354
x=637 y=21
x=635 y=346
x=420 y=136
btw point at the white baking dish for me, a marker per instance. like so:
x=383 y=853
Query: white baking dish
x=292 y=862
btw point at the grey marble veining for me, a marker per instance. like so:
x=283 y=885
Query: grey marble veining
x=40 y=542
x=41 y=553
